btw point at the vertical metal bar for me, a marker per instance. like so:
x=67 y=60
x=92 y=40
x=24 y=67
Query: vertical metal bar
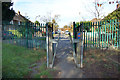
x=33 y=35
x=86 y=38
x=40 y=30
x=93 y=34
x=119 y=33
x=100 y=35
x=26 y=34
x=102 y=32
x=115 y=32
x=88 y=34
x=47 y=45
x=74 y=37
x=39 y=34
x=105 y=35
x=74 y=34
x=43 y=30
x=84 y=34
x=82 y=48
x=112 y=31
x=52 y=38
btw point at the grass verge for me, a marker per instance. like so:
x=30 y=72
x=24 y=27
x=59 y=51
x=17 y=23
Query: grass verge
x=16 y=60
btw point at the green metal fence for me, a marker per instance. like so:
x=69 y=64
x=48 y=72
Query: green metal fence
x=101 y=34
x=25 y=34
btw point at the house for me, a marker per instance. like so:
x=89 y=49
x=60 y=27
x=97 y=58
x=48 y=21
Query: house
x=18 y=19
x=95 y=20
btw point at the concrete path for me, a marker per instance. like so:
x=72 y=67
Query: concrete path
x=64 y=60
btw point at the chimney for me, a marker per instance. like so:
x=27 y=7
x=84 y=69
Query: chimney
x=18 y=12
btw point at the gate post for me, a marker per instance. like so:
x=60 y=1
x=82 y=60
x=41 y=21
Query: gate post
x=47 y=45
x=81 y=65
x=74 y=35
x=52 y=38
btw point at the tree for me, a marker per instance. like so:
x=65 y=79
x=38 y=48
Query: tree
x=85 y=23
x=114 y=15
x=51 y=20
x=55 y=19
x=66 y=26
x=97 y=10
x=36 y=22
x=7 y=12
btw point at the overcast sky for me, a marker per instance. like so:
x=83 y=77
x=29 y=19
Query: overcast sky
x=69 y=10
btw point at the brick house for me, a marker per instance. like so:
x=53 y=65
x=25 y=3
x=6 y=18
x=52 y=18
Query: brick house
x=18 y=19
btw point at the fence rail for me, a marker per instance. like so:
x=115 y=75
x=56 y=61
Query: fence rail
x=101 y=34
x=26 y=34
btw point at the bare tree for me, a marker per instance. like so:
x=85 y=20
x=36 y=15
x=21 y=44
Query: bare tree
x=97 y=11
x=48 y=18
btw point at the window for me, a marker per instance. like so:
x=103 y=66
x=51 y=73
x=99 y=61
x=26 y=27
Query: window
x=18 y=22
x=11 y=22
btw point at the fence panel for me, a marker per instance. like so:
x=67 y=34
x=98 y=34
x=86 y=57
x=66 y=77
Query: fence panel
x=101 y=34
x=25 y=34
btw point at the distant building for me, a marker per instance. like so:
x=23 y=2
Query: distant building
x=18 y=19
x=95 y=20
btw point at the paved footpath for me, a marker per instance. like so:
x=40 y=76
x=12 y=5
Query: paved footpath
x=64 y=60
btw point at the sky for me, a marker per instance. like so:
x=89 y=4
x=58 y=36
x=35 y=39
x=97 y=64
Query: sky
x=69 y=10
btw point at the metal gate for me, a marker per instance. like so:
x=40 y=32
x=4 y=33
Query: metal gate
x=51 y=45
x=77 y=44
x=102 y=34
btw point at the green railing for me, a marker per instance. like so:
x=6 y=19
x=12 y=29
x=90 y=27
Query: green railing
x=101 y=34
x=25 y=34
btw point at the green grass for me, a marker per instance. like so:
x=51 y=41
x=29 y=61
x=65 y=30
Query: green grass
x=17 y=60
x=43 y=71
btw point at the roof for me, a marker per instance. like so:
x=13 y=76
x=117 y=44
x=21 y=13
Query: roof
x=19 y=17
x=113 y=15
x=95 y=20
